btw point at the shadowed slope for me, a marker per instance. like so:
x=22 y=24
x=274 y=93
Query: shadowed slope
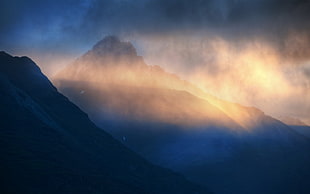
x=48 y=145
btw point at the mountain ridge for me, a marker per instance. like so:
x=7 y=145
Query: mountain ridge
x=48 y=145
x=96 y=68
x=176 y=125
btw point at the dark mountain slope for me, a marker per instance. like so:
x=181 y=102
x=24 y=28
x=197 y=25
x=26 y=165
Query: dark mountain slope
x=48 y=145
x=303 y=130
x=296 y=124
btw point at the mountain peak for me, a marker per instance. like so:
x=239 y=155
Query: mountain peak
x=112 y=45
x=14 y=65
x=32 y=109
x=3 y=53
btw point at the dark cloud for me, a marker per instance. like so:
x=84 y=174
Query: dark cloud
x=69 y=24
x=173 y=15
x=157 y=16
x=38 y=24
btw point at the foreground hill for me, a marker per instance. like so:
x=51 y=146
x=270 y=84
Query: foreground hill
x=48 y=145
x=174 y=124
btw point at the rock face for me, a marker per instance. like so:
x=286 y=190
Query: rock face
x=232 y=148
x=48 y=145
x=111 y=45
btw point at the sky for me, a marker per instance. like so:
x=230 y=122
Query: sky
x=254 y=52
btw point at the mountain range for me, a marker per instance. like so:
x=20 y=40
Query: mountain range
x=226 y=146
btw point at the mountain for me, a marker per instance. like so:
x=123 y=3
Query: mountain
x=302 y=129
x=48 y=145
x=292 y=121
x=229 y=147
x=296 y=124
x=111 y=67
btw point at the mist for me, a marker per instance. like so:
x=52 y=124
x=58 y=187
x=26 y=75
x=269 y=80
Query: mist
x=254 y=53
x=249 y=72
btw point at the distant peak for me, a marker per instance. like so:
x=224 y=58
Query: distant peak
x=106 y=42
x=292 y=121
x=112 y=45
x=3 y=53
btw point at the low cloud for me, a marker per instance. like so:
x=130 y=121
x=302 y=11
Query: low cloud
x=253 y=73
x=260 y=47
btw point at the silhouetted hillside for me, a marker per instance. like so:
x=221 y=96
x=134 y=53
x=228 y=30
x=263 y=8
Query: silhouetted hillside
x=48 y=145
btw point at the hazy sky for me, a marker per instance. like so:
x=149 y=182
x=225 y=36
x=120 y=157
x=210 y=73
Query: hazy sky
x=75 y=24
x=255 y=52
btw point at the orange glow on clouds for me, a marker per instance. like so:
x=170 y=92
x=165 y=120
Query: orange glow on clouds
x=252 y=75
x=134 y=90
x=249 y=72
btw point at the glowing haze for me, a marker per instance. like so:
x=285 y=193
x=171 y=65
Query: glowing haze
x=114 y=80
x=251 y=72
x=254 y=52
